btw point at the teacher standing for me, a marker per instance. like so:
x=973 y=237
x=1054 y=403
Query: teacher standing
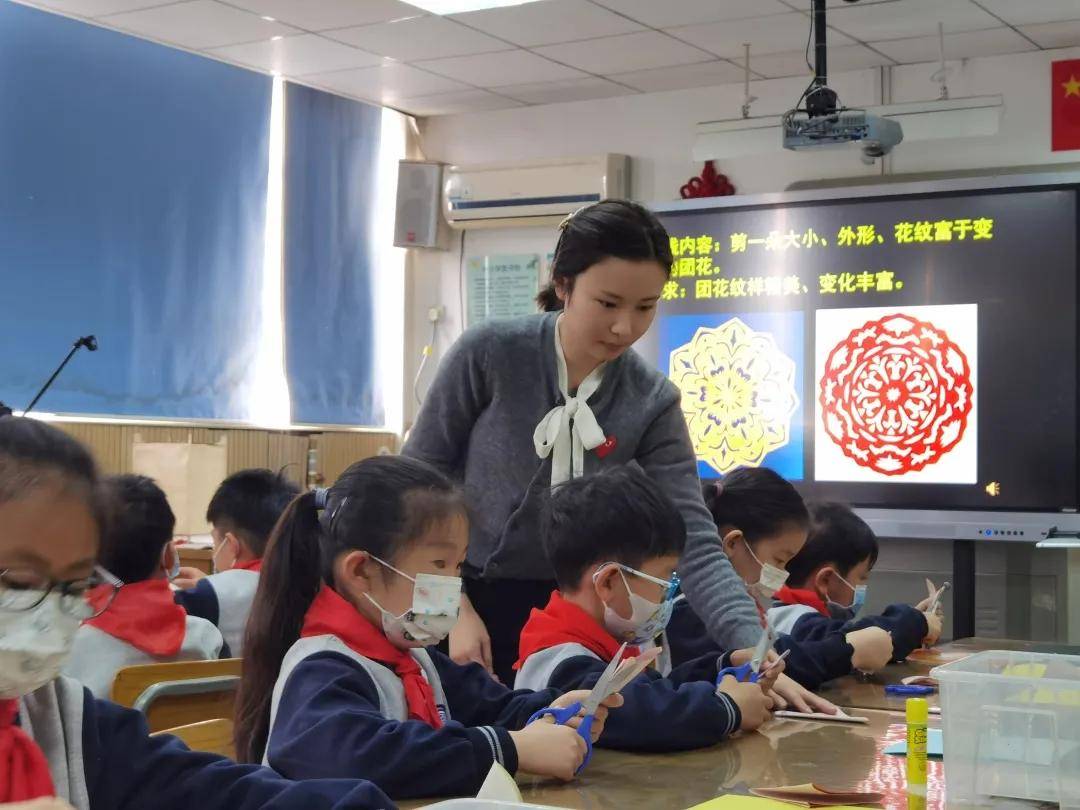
x=519 y=406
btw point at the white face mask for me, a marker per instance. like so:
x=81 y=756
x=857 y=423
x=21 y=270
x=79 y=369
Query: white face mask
x=34 y=646
x=770 y=580
x=647 y=619
x=174 y=570
x=435 y=605
x=214 y=568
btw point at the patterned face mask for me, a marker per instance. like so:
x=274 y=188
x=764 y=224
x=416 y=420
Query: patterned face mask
x=647 y=619
x=435 y=605
x=34 y=646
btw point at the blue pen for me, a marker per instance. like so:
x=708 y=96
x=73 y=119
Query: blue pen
x=904 y=689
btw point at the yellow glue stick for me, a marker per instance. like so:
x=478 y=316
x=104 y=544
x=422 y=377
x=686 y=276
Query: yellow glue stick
x=917 y=712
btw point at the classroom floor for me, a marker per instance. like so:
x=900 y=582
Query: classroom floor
x=782 y=752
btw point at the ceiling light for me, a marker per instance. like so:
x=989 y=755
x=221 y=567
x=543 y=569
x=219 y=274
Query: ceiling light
x=460 y=6
x=268 y=19
x=275 y=39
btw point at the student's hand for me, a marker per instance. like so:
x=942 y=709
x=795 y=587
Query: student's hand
x=579 y=695
x=772 y=666
x=469 y=639
x=752 y=702
x=933 y=629
x=546 y=749
x=188 y=577
x=39 y=804
x=787 y=694
x=924 y=605
x=873 y=648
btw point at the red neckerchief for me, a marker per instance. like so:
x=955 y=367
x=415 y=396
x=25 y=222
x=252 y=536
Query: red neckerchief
x=145 y=616
x=24 y=771
x=799 y=596
x=331 y=615
x=251 y=565
x=563 y=622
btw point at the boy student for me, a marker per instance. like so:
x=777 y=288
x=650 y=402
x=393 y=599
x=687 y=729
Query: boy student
x=242 y=512
x=827 y=588
x=56 y=740
x=613 y=541
x=142 y=624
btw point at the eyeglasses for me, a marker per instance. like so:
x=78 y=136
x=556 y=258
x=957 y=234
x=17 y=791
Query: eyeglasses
x=86 y=598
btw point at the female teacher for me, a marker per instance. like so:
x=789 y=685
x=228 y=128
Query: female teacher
x=519 y=406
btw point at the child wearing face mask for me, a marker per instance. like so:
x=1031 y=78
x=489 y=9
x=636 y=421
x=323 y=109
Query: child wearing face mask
x=56 y=739
x=242 y=514
x=827 y=588
x=763 y=524
x=613 y=540
x=358 y=580
x=142 y=624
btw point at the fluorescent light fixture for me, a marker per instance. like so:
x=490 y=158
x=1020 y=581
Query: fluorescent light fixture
x=275 y=39
x=269 y=19
x=461 y=6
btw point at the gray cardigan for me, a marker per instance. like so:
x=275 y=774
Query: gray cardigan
x=493 y=387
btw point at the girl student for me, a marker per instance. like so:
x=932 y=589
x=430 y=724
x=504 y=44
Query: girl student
x=763 y=523
x=356 y=582
x=520 y=406
x=56 y=739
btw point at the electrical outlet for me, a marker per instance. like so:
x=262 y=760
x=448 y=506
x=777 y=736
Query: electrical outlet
x=435 y=314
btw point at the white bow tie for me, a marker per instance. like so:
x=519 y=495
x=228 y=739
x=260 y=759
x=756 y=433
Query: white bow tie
x=568 y=430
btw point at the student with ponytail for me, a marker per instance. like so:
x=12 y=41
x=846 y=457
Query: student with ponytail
x=357 y=580
x=58 y=744
x=520 y=406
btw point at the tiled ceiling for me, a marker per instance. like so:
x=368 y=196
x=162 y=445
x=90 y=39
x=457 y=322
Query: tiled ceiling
x=393 y=53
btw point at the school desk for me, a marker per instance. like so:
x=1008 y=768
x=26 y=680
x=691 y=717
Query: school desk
x=195 y=557
x=869 y=692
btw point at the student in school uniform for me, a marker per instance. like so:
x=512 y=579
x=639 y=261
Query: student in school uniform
x=522 y=405
x=56 y=739
x=827 y=587
x=763 y=523
x=142 y=624
x=613 y=540
x=242 y=513
x=357 y=581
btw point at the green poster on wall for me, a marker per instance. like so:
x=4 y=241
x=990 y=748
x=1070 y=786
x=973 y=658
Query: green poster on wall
x=501 y=286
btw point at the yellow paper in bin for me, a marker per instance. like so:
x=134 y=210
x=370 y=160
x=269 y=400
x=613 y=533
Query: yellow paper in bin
x=736 y=802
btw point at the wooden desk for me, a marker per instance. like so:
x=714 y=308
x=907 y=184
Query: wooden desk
x=196 y=557
x=869 y=692
x=782 y=752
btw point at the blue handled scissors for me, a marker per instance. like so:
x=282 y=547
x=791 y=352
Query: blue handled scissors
x=600 y=692
x=751 y=671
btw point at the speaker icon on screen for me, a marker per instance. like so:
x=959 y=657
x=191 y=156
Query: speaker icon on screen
x=993 y=489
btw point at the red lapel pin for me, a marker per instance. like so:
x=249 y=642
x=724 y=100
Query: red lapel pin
x=609 y=444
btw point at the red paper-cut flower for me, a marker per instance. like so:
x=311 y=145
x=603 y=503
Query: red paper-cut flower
x=896 y=394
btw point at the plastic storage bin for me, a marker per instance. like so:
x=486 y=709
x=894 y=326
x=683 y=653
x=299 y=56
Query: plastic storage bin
x=1011 y=727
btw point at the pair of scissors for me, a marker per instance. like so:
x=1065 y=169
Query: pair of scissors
x=751 y=671
x=600 y=692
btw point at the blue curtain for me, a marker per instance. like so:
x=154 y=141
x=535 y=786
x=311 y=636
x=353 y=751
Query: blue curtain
x=332 y=147
x=132 y=206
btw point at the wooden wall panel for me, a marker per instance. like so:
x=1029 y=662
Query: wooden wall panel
x=111 y=445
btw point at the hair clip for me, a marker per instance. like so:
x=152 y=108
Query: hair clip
x=322 y=495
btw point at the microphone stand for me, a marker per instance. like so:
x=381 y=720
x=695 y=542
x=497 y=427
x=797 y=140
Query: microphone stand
x=90 y=342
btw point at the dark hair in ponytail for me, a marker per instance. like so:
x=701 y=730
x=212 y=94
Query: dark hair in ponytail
x=377 y=505
x=35 y=455
x=618 y=228
x=757 y=502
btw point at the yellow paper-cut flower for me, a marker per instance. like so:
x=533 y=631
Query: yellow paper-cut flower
x=738 y=394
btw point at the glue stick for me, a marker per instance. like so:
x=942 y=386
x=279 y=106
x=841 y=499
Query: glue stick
x=917 y=712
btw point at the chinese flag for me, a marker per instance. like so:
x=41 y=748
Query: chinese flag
x=1065 y=105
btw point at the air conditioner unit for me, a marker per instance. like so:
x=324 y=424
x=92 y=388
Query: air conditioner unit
x=477 y=196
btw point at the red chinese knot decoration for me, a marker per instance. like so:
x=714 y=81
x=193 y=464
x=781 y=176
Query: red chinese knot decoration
x=896 y=394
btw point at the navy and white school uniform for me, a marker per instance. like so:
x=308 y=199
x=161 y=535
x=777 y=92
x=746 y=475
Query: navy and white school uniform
x=224 y=599
x=414 y=723
x=142 y=625
x=101 y=757
x=664 y=709
x=804 y=616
